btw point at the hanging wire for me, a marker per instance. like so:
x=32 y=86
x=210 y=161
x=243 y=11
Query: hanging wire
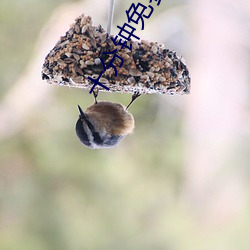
x=110 y=16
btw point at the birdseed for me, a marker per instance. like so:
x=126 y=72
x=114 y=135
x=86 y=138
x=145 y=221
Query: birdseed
x=148 y=68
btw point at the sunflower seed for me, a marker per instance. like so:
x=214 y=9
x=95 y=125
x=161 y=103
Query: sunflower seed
x=85 y=46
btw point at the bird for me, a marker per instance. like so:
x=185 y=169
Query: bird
x=104 y=124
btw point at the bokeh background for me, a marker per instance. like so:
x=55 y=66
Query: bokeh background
x=180 y=182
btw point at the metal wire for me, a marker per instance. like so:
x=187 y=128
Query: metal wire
x=110 y=16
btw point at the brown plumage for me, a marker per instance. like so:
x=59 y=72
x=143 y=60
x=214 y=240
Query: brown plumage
x=104 y=124
x=111 y=117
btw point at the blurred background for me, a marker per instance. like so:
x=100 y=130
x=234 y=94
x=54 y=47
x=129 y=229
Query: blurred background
x=180 y=182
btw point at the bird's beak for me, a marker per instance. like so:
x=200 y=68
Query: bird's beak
x=82 y=115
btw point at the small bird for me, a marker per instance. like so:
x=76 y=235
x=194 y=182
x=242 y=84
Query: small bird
x=104 y=124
